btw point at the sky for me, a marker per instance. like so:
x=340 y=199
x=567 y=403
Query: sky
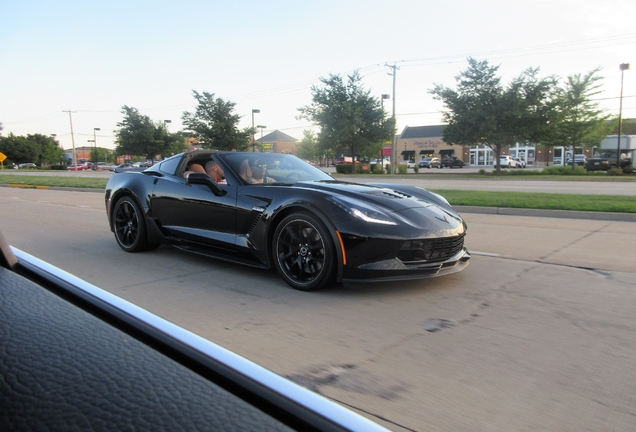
x=64 y=61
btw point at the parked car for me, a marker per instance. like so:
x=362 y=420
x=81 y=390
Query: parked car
x=606 y=160
x=105 y=166
x=408 y=163
x=384 y=162
x=312 y=229
x=557 y=160
x=430 y=162
x=143 y=164
x=127 y=167
x=579 y=160
x=506 y=161
x=521 y=163
x=29 y=165
x=79 y=167
x=452 y=162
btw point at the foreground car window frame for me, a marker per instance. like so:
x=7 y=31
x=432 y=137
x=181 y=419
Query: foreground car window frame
x=277 y=397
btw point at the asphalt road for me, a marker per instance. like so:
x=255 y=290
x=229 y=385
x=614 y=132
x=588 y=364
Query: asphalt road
x=536 y=334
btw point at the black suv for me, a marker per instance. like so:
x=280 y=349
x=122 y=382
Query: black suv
x=606 y=160
x=452 y=162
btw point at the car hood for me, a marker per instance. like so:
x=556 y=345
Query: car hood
x=391 y=197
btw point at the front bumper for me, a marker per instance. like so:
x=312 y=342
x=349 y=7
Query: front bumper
x=395 y=269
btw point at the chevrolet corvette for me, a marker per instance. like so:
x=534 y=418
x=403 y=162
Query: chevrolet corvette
x=277 y=211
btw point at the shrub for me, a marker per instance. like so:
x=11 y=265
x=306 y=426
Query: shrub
x=402 y=169
x=482 y=171
x=615 y=172
x=628 y=169
x=377 y=169
x=564 y=170
x=416 y=168
x=343 y=169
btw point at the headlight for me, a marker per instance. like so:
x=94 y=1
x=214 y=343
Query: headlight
x=363 y=211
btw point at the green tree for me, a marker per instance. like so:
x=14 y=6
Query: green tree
x=140 y=136
x=50 y=151
x=483 y=111
x=19 y=149
x=101 y=154
x=215 y=126
x=351 y=121
x=580 y=123
x=308 y=146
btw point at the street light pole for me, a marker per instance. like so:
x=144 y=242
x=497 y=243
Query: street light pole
x=92 y=162
x=623 y=67
x=261 y=127
x=95 y=154
x=254 y=111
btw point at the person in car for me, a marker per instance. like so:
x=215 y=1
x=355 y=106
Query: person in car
x=259 y=174
x=211 y=168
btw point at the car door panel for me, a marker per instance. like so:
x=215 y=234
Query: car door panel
x=193 y=212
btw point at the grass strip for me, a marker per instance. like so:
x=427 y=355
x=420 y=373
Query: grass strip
x=538 y=200
x=62 y=181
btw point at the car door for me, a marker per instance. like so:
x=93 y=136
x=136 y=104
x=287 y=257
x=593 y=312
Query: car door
x=193 y=212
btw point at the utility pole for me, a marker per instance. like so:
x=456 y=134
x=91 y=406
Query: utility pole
x=393 y=141
x=72 y=138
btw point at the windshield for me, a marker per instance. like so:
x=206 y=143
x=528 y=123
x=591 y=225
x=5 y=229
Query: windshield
x=272 y=168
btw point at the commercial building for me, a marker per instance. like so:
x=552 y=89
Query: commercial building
x=417 y=142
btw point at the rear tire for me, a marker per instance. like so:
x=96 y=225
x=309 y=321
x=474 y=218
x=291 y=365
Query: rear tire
x=303 y=252
x=130 y=226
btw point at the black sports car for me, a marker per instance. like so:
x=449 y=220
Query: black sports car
x=275 y=210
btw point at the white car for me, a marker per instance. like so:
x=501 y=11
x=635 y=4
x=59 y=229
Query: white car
x=507 y=162
x=408 y=163
x=521 y=163
x=105 y=166
x=384 y=162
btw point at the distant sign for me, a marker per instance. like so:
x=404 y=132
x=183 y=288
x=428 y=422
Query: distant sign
x=2 y=157
x=268 y=146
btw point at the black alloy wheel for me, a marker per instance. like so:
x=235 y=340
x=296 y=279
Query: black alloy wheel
x=303 y=252
x=130 y=227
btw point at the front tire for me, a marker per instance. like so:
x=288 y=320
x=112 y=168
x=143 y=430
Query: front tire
x=303 y=252
x=130 y=227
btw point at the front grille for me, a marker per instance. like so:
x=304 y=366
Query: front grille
x=430 y=250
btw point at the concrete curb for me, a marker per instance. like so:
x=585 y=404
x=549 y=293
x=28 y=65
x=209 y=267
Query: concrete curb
x=566 y=214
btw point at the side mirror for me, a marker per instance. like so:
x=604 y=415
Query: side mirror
x=204 y=179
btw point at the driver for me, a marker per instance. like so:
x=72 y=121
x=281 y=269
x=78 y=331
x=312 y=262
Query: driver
x=259 y=174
